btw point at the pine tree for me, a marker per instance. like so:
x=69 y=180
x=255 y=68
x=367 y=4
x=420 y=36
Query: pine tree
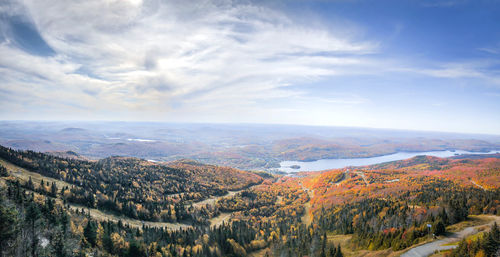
x=135 y=249
x=64 y=222
x=3 y=171
x=496 y=232
x=30 y=184
x=439 y=228
x=58 y=247
x=333 y=251
x=323 y=245
x=8 y=225
x=90 y=233
x=491 y=242
x=444 y=216
x=53 y=189
x=339 y=252
x=32 y=217
x=42 y=186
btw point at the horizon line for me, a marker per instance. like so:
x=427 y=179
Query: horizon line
x=256 y=123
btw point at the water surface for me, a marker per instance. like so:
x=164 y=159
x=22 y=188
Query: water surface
x=325 y=164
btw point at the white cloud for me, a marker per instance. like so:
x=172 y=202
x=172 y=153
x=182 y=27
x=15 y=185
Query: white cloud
x=495 y=49
x=481 y=70
x=206 y=61
x=146 y=56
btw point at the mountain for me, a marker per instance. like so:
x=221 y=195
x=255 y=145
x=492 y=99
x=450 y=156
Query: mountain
x=243 y=146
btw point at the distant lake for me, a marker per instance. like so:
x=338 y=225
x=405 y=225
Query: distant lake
x=326 y=164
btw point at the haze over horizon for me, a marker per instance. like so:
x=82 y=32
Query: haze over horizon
x=79 y=124
x=412 y=65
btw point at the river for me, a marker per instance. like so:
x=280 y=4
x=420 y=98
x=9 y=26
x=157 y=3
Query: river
x=325 y=164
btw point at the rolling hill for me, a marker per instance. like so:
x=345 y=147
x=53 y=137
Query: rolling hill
x=126 y=206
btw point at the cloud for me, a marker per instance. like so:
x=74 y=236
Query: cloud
x=480 y=70
x=490 y=50
x=442 y=3
x=137 y=55
x=193 y=61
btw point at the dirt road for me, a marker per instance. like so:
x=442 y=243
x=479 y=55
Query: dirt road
x=443 y=244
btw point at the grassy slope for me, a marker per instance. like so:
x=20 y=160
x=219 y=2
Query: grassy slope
x=24 y=174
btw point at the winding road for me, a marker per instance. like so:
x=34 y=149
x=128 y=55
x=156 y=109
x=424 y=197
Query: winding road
x=443 y=244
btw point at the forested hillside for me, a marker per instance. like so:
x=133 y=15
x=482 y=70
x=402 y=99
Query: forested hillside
x=35 y=219
x=134 y=187
x=392 y=205
x=379 y=209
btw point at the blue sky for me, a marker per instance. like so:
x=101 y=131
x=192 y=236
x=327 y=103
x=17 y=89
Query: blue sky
x=422 y=65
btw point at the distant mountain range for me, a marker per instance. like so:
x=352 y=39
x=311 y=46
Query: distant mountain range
x=244 y=146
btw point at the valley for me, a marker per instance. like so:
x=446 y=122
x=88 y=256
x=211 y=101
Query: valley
x=243 y=146
x=368 y=210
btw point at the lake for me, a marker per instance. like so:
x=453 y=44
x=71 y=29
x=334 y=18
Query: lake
x=325 y=164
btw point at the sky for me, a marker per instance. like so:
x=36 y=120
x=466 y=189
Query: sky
x=403 y=64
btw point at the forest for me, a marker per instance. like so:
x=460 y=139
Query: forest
x=392 y=206
x=33 y=224
x=134 y=187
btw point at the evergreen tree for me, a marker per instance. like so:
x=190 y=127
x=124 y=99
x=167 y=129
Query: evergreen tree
x=90 y=233
x=8 y=226
x=53 y=189
x=491 y=242
x=3 y=171
x=30 y=184
x=42 y=186
x=443 y=216
x=333 y=251
x=65 y=220
x=339 y=252
x=32 y=219
x=58 y=247
x=323 y=245
x=135 y=249
x=439 y=228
